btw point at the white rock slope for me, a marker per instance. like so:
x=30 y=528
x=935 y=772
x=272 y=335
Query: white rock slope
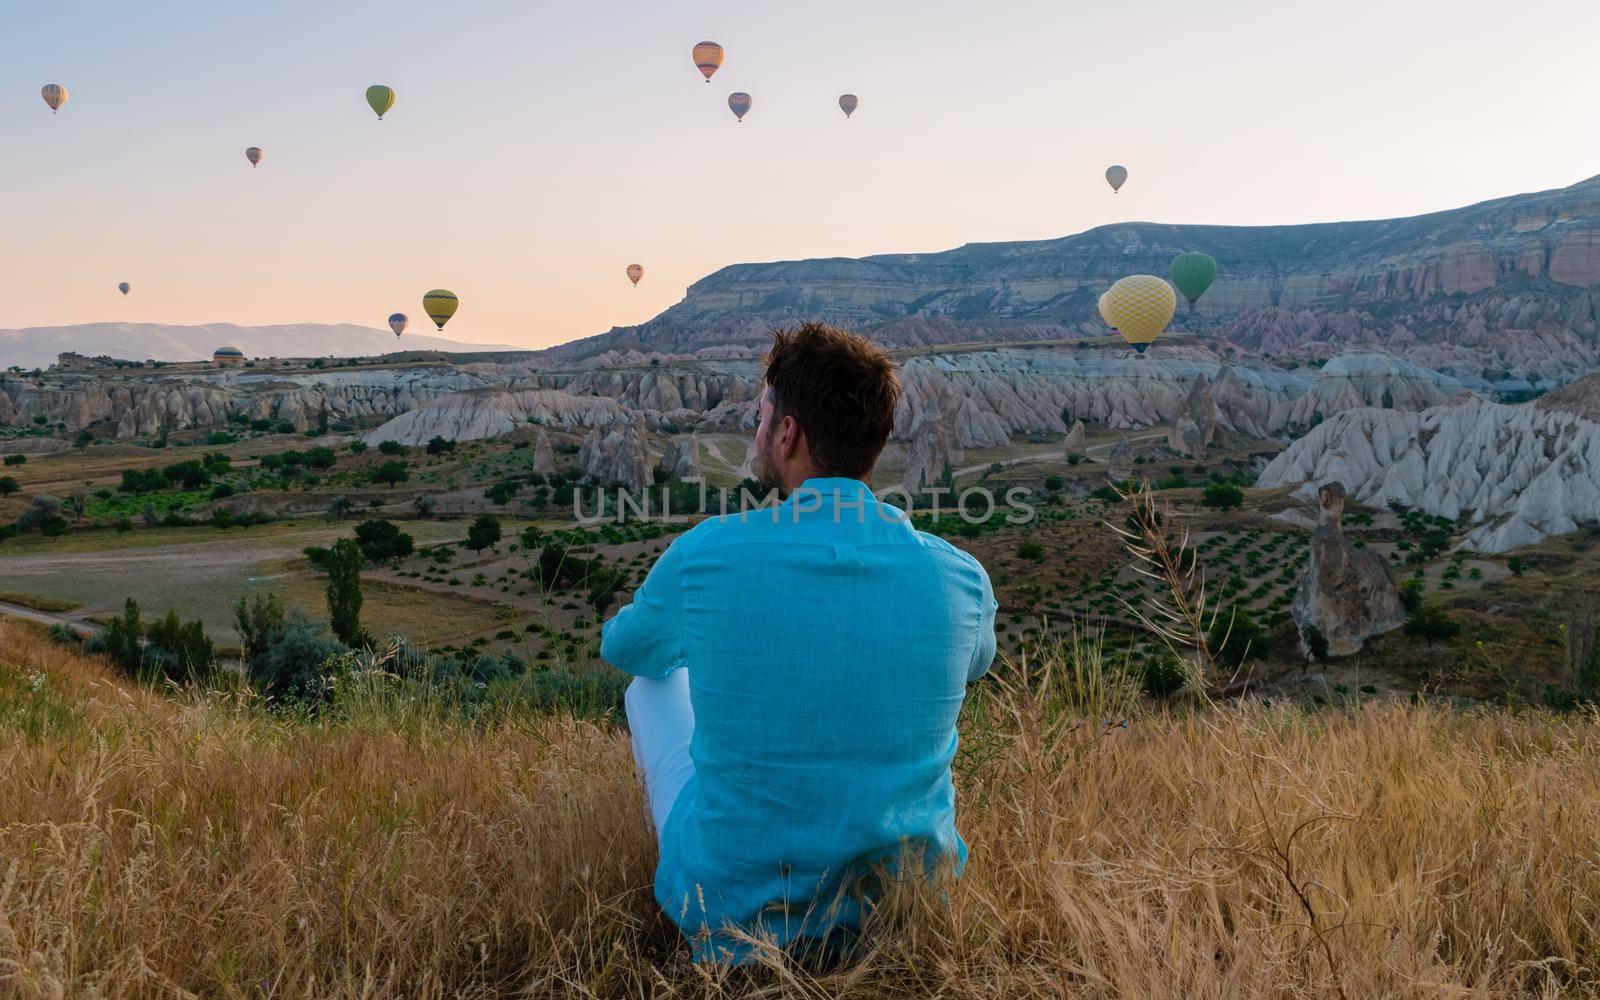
x=1521 y=472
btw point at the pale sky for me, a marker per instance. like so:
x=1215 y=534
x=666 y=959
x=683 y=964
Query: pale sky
x=536 y=149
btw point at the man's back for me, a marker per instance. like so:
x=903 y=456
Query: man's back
x=828 y=650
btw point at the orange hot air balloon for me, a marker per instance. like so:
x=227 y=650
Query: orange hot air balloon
x=708 y=58
x=54 y=94
x=739 y=104
x=253 y=154
x=847 y=104
x=635 y=272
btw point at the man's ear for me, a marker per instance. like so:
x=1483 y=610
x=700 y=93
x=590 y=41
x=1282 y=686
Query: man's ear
x=789 y=436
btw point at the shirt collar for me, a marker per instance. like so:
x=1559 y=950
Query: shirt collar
x=830 y=486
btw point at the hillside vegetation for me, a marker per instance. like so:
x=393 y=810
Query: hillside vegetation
x=183 y=843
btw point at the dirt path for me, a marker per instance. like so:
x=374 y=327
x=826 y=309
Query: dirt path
x=49 y=618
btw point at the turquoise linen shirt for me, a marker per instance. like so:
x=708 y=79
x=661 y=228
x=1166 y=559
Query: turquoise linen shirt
x=829 y=645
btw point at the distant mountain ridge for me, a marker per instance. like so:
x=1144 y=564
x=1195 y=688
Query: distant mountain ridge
x=1525 y=264
x=37 y=347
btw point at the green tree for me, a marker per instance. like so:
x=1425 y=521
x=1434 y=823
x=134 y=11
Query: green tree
x=180 y=650
x=9 y=485
x=1411 y=595
x=344 y=591
x=259 y=622
x=440 y=446
x=391 y=448
x=1222 y=496
x=484 y=533
x=121 y=640
x=391 y=473
x=382 y=541
x=1316 y=642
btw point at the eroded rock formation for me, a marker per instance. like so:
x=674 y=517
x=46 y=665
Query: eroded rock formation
x=1347 y=594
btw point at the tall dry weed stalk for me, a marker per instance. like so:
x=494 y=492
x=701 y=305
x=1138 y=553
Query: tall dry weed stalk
x=1176 y=610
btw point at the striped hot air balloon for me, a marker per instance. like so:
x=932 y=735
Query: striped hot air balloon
x=253 y=154
x=55 y=95
x=739 y=104
x=707 y=58
x=1116 y=176
x=381 y=99
x=635 y=272
x=124 y=287
x=1139 y=307
x=397 y=323
x=847 y=104
x=440 y=304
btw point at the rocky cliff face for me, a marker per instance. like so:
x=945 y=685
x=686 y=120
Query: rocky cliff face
x=1347 y=594
x=146 y=405
x=615 y=457
x=491 y=413
x=1508 y=282
x=1519 y=473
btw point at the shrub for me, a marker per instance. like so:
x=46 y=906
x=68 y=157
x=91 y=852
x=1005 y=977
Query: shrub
x=140 y=481
x=357 y=447
x=1222 y=496
x=1430 y=624
x=290 y=664
x=1030 y=550
x=259 y=621
x=1411 y=595
x=9 y=485
x=178 y=650
x=54 y=526
x=1162 y=677
x=1235 y=637
x=16 y=460
x=391 y=448
x=440 y=446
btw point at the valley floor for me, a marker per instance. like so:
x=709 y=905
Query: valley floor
x=157 y=844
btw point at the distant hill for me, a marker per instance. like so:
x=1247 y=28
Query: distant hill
x=1514 y=281
x=37 y=347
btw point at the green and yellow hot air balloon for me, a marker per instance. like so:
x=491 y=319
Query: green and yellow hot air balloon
x=1193 y=273
x=1139 y=307
x=381 y=98
x=440 y=304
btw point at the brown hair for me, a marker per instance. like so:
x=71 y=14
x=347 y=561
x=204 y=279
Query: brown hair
x=840 y=388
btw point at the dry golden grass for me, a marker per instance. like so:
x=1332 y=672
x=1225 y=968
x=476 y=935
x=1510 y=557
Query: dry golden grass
x=155 y=846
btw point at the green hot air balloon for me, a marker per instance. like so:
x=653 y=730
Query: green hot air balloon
x=381 y=98
x=1193 y=273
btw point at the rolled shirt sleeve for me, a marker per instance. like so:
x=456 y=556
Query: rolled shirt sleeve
x=645 y=638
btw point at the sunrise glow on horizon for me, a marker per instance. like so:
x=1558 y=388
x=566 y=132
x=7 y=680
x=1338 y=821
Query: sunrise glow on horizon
x=534 y=151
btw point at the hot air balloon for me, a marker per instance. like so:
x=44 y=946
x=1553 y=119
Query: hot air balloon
x=1193 y=273
x=381 y=98
x=54 y=94
x=1116 y=176
x=124 y=287
x=440 y=304
x=707 y=58
x=1139 y=307
x=635 y=272
x=253 y=154
x=739 y=104
x=398 y=321
x=847 y=104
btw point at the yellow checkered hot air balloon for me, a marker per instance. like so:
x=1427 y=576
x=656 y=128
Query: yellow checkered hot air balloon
x=1139 y=307
x=440 y=304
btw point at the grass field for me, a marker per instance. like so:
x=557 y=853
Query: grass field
x=164 y=846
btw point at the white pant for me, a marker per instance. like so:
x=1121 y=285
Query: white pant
x=662 y=722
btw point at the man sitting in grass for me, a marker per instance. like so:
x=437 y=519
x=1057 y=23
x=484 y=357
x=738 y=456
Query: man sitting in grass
x=799 y=673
